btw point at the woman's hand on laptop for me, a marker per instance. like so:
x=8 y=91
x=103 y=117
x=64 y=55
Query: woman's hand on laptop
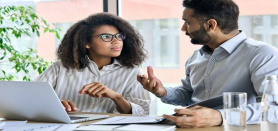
x=98 y=90
x=69 y=105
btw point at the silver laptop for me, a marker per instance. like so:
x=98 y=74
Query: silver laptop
x=36 y=101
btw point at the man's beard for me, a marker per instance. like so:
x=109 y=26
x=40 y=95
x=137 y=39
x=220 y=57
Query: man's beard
x=200 y=36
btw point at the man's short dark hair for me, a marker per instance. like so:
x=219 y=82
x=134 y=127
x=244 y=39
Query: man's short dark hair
x=225 y=12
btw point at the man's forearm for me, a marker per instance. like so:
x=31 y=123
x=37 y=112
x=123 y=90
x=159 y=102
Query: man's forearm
x=177 y=96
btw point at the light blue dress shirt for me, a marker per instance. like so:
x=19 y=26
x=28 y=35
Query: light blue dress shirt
x=238 y=65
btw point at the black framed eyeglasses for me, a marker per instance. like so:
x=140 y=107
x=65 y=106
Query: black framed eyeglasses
x=109 y=37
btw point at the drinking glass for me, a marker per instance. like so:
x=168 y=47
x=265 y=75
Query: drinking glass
x=234 y=111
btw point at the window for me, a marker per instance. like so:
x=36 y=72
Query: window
x=274 y=21
x=163 y=23
x=258 y=37
x=274 y=40
x=260 y=27
x=258 y=20
x=161 y=41
x=64 y=27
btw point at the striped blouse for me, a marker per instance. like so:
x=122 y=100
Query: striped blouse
x=123 y=80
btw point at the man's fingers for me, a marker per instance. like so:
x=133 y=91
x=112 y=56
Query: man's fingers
x=150 y=72
x=191 y=122
x=185 y=111
x=144 y=81
x=170 y=117
x=139 y=78
x=152 y=84
x=196 y=107
x=185 y=121
x=158 y=83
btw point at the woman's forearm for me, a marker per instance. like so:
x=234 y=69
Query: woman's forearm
x=122 y=105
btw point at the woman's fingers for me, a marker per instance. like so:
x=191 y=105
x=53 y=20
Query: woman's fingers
x=72 y=105
x=85 y=88
x=69 y=105
x=95 y=90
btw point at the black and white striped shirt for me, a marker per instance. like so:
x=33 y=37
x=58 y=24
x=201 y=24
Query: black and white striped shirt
x=123 y=80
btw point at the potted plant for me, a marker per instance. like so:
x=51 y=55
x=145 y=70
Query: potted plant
x=15 y=22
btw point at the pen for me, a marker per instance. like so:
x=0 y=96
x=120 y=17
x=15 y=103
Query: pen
x=159 y=119
x=141 y=76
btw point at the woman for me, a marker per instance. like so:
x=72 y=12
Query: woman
x=97 y=66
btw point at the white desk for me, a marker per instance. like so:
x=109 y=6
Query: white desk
x=273 y=127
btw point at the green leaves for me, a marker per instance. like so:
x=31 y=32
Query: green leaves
x=7 y=77
x=15 y=22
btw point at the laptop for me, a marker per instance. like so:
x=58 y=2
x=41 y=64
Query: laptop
x=36 y=101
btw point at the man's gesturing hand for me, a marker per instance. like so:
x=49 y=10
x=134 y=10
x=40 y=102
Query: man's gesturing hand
x=151 y=83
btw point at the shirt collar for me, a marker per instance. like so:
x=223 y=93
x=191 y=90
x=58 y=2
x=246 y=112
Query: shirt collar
x=114 y=64
x=230 y=45
x=204 y=49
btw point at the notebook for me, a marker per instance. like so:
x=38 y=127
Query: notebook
x=146 y=127
x=214 y=102
x=36 y=101
x=131 y=127
x=129 y=120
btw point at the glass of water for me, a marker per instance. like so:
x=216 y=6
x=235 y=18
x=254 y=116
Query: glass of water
x=235 y=111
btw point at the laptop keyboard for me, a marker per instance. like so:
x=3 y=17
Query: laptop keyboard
x=77 y=117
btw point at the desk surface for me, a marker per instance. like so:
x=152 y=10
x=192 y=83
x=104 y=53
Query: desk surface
x=273 y=127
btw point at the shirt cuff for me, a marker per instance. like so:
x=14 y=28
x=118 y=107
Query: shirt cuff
x=222 y=114
x=137 y=110
x=233 y=118
x=170 y=94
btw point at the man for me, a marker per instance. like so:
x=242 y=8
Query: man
x=227 y=62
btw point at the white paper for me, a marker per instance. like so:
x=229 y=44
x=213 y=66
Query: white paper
x=146 y=127
x=43 y=127
x=11 y=124
x=130 y=120
x=2 y=124
x=97 y=128
x=67 y=127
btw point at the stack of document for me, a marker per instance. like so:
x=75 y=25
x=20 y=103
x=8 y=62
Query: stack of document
x=130 y=120
x=131 y=127
x=129 y=123
x=9 y=124
x=23 y=126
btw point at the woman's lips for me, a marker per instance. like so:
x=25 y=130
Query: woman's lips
x=116 y=48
